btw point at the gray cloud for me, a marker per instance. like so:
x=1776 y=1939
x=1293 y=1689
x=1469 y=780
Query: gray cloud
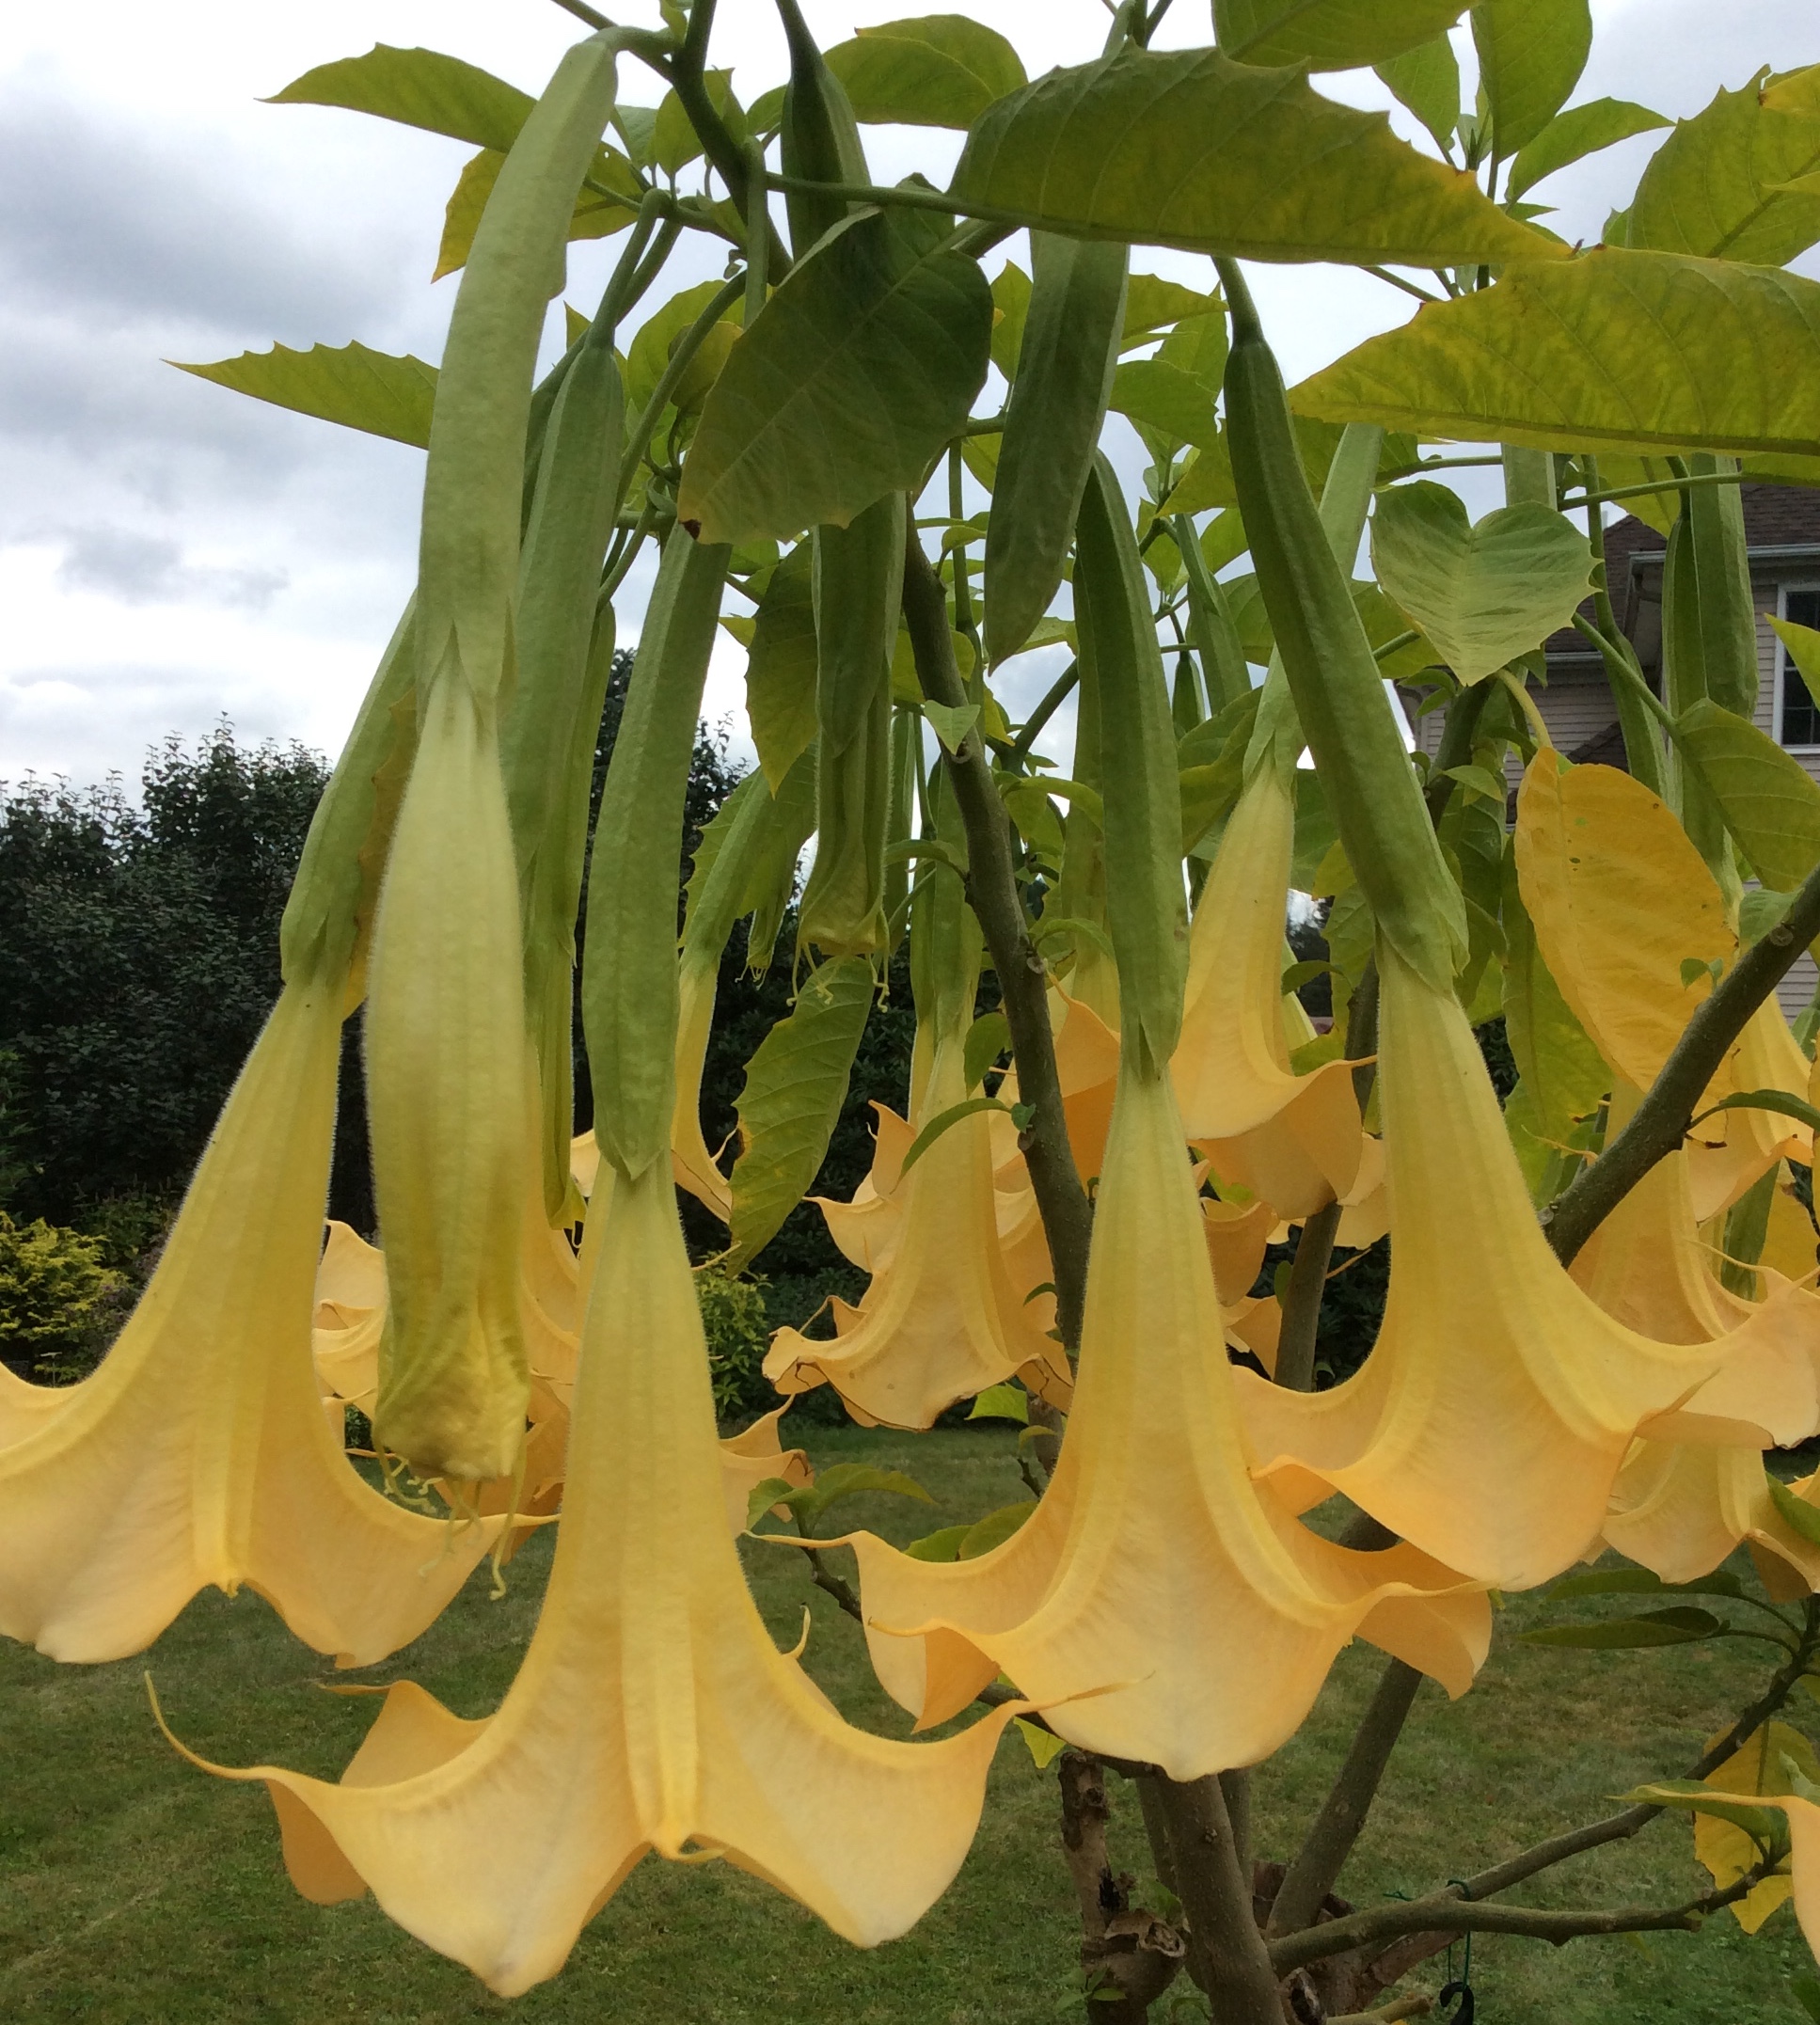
x=142 y=569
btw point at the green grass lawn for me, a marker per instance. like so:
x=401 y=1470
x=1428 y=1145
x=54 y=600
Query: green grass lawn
x=133 y=1887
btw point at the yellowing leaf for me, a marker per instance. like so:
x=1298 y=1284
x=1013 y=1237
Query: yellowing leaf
x=1190 y=148
x=1482 y=594
x=1621 y=900
x=1044 y=1745
x=795 y=1086
x=1530 y=57
x=850 y=379
x=374 y=391
x=780 y=666
x=939 y=70
x=1328 y=35
x=1717 y=185
x=1755 y=1769
x=1426 y=80
x=1611 y=350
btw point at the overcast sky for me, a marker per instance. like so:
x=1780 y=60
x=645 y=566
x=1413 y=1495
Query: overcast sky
x=170 y=551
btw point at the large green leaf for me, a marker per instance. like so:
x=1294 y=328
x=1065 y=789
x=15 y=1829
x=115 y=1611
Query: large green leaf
x=1329 y=34
x=376 y=391
x=795 y=1086
x=1427 y=82
x=595 y=217
x=1681 y=1626
x=674 y=142
x=940 y=71
x=1483 y=595
x=1572 y=135
x=780 y=666
x=1152 y=303
x=418 y=87
x=1177 y=405
x=1612 y=350
x=1713 y=185
x=846 y=387
x=1190 y=148
x=1770 y=803
x=1530 y=57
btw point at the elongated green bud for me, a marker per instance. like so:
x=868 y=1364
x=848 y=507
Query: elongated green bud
x=328 y=916
x=1345 y=716
x=859 y=576
x=629 y=985
x=820 y=138
x=905 y=732
x=1728 y=621
x=1121 y=667
x=565 y=658
x=1345 y=500
x=1051 y=425
x=945 y=940
x=473 y=488
x=1211 y=625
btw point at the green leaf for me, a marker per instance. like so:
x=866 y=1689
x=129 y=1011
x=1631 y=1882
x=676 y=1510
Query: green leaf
x=795 y=1085
x=1692 y=1796
x=780 y=666
x=1483 y=594
x=989 y=1038
x=951 y=723
x=851 y=1479
x=848 y=382
x=942 y=1120
x=1189 y=149
x=1564 y=1076
x=1681 y=1626
x=766 y=1497
x=1572 y=135
x=1530 y=57
x=1480 y=782
x=594 y=216
x=1329 y=34
x=1213 y=761
x=418 y=87
x=939 y=70
x=1427 y=81
x=1011 y=289
x=1002 y=1402
x=656 y=340
x=1803 y=645
x=771 y=875
x=1715 y=185
x=374 y=391
x=939 y=1546
x=1639 y=1581
x=1177 y=405
x=994 y=1529
x=1611 y=350
x=1769 y=802
x=674 y=141
x=1151 y=304
x=1779 y=1101
x=1045 y=1747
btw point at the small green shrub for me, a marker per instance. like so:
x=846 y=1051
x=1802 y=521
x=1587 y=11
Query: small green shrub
x=55 y=1295
x=739 y=1335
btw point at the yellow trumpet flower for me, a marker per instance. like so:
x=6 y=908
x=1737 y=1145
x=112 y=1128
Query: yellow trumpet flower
x=1294 y=1140
x=652 y=1710
x=1679 y=1508
x=199 y=1452
x=1189 y=1610
x=1499 y=1400
x=942 y=1321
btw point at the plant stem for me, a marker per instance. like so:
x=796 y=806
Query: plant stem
x=1059 y=691
x=1396 y=282
x=639 y=435
x=1023 y=983
x=1319 y=1861
x=687 y=75
x=1295 y=1340
x=1227 y=1952
x=1661 y=1121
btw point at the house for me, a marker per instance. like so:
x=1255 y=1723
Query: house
x=1782 y=526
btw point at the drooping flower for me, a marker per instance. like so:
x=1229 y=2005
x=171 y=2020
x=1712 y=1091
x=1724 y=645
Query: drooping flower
x=199 y=1452
x=652 y=1710
x=1294 y=1140
x=1188 y=1608
x=942 y=1319
x=1487 y=1349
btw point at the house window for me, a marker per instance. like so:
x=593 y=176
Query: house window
x=1798 y=717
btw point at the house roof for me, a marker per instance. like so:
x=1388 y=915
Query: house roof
x=1775 y=517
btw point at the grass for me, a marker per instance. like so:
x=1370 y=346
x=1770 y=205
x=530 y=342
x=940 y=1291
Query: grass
x=133 y=1887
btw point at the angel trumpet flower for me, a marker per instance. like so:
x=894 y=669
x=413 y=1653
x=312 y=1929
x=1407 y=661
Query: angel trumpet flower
x=198 y=1453
x=652 y=1710
x=1488 y=1351
x=1189 y=1610
x=1294 y=1140
x=943 y=1320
